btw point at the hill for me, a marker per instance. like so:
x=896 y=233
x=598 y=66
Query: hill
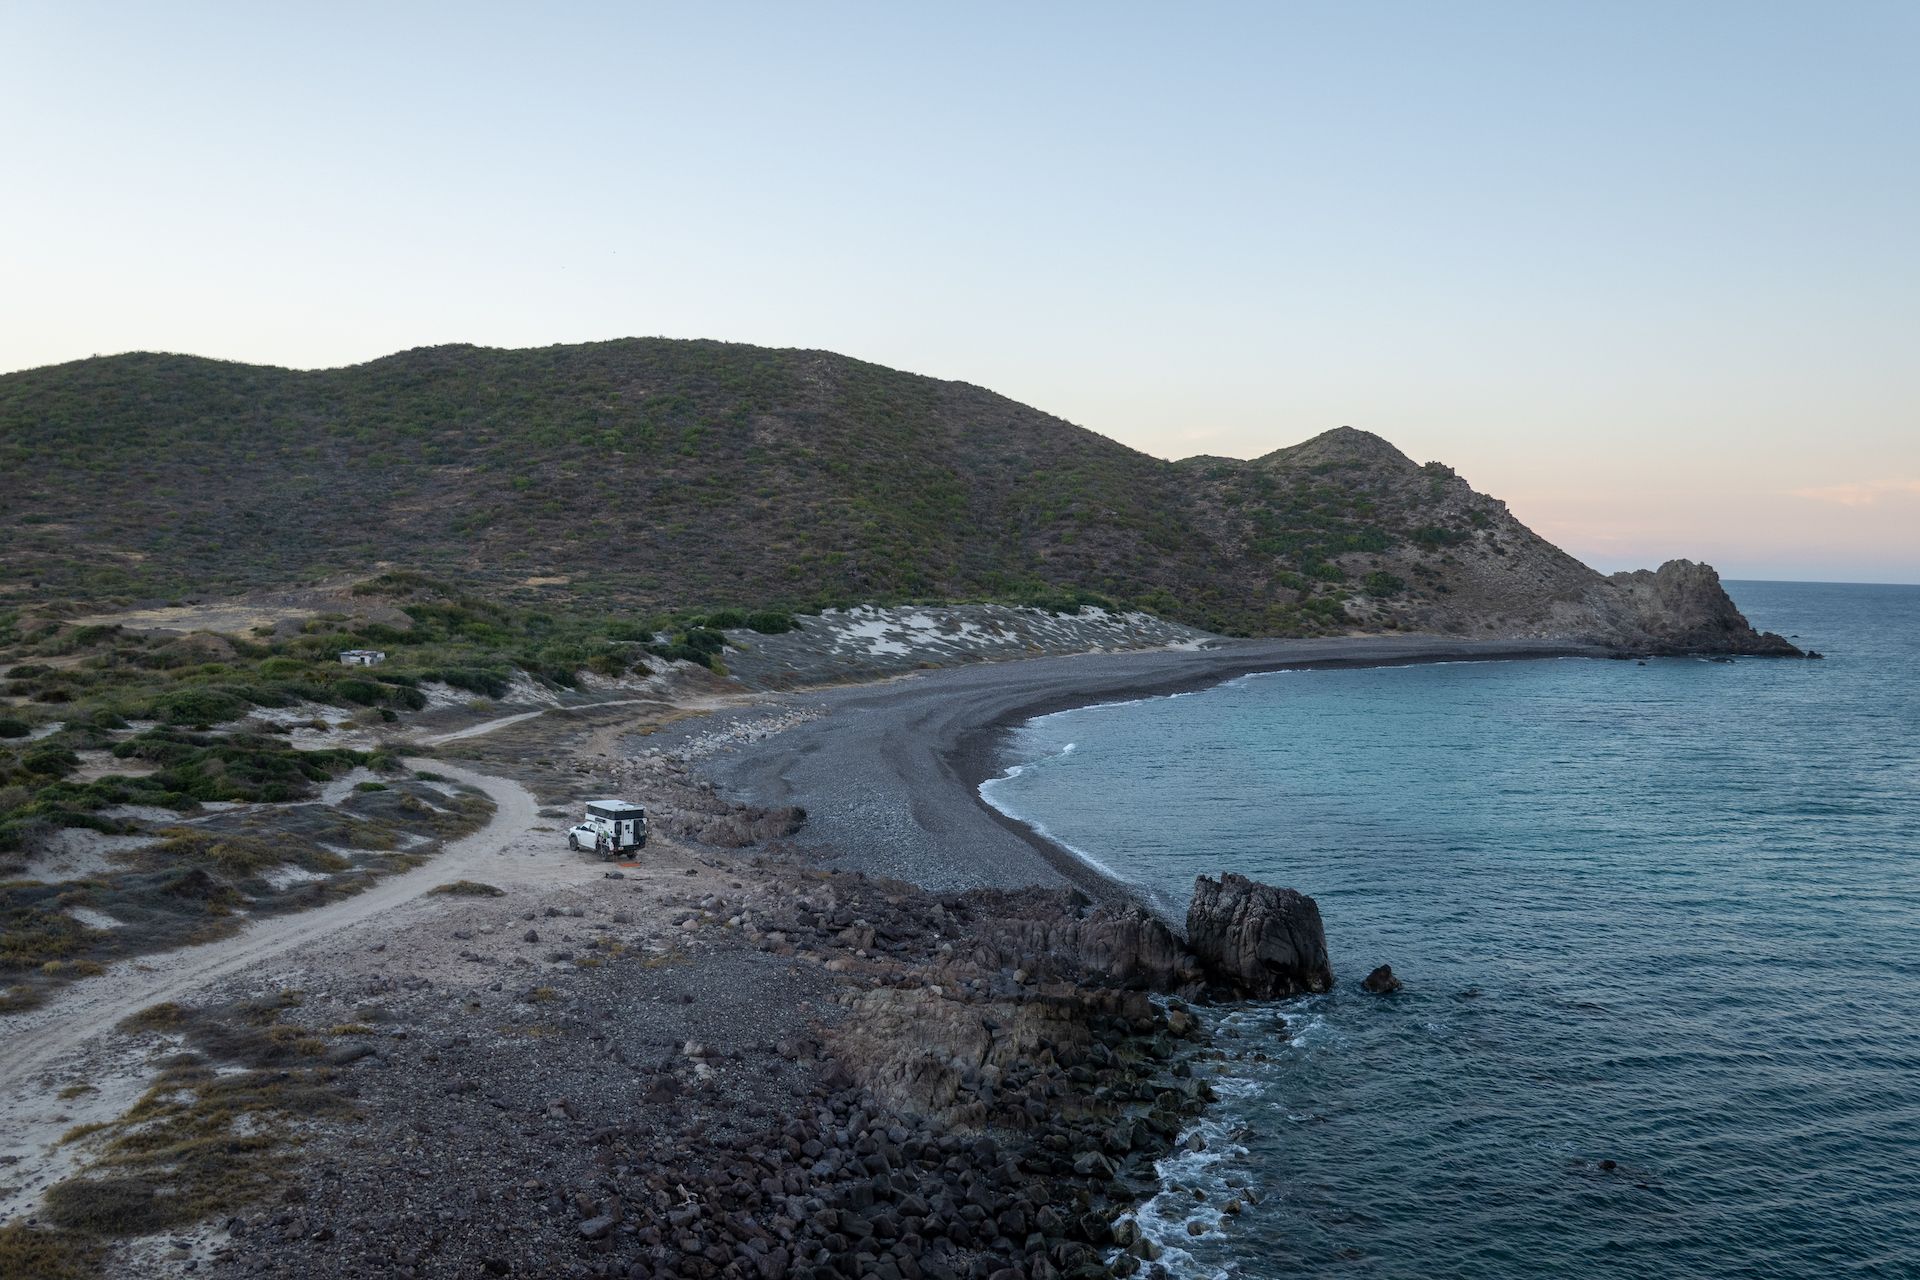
x=648 y=473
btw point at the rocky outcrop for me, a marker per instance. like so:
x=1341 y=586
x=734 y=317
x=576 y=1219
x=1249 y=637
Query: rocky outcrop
x=1048 y=934
x=1682 y=608
x=1458 y=562
x=928 y=1051
x=1381 y=981
x=1256 y=941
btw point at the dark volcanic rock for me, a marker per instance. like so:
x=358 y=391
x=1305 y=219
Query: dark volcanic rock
x=1119 y=942
x=1684 y=609
x=1256 y=940
x=1381 y=981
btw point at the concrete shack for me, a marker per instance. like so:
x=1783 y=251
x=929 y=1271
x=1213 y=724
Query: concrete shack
x=363 y=657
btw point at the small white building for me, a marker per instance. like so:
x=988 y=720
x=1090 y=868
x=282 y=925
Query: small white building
x=363 y=657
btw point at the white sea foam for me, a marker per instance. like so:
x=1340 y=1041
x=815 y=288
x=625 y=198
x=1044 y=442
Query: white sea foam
x=1164 y=1217
x=1040 y=829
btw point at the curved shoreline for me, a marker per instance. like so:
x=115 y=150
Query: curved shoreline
x=890 y=775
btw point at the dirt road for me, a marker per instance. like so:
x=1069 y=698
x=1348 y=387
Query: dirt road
x=32 y=1118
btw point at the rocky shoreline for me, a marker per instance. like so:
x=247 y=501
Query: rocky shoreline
x=793 y=1073
x=746 y=1054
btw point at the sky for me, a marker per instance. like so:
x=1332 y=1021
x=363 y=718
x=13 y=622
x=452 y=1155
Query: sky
x=1650 y=272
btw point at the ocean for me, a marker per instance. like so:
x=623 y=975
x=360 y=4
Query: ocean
x=1659 y=927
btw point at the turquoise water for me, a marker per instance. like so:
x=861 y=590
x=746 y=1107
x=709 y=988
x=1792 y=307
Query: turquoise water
x=1666 y=916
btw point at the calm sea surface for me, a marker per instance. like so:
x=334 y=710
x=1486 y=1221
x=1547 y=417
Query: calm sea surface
x=1666 y=916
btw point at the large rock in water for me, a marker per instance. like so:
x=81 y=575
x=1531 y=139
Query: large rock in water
x=1682 y=608
x=1258 y=941
x=1381 y=981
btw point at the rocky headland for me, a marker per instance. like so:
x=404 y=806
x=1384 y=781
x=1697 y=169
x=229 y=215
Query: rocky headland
x=783 y=1073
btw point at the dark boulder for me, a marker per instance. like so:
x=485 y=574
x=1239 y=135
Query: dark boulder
x=1257 y=941
x=1381 y=981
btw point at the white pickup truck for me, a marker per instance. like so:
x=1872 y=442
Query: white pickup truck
x=611 y=828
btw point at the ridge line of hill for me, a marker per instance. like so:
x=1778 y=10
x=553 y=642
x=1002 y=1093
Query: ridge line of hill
x=649 y=473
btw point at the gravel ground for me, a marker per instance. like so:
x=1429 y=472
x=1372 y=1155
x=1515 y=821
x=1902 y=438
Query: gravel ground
x=708 y=1068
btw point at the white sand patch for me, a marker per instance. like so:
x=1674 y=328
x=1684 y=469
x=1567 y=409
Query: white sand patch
x=143 y=813
x=867 y=640
x=95 y=765
x=94 y=919
x=301 y=713
x=286 y=877
x=75 y=853
x=342 y=787
x=47 y=730
x=303 y=739
x=878 y=637
x=440 y=696
x=32 y=1121
x=523 y=690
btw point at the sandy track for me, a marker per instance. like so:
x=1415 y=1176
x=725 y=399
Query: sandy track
x=87 y=1008
x=66 y=1037
x=40 y=1037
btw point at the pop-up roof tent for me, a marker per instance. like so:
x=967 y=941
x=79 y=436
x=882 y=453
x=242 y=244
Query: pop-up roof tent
x=615 y=810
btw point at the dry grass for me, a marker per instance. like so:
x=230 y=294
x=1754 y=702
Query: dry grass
x=468 y=889
x=165 y=1016
x=34 y=1253
x=200 y=1142
x=19 y=999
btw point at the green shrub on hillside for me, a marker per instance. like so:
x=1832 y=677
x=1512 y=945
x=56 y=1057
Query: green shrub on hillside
x=1433 y=537
x=771 y=623
x=197 y=706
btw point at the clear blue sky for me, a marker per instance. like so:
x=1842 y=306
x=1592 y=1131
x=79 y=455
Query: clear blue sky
x=1651 y=272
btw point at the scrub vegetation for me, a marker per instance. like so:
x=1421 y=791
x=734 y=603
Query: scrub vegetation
x=649 y=474
x=216 y=1130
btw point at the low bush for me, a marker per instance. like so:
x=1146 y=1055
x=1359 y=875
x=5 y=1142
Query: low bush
x=1381 y=583
x=12 y=728
x=1433 y=537
x=50 y=761
x=31 y=935
x=362 y=693
x=608 y=663
x=231 y=855
x=468 y=889
x=494 y=684
x=197 y=706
